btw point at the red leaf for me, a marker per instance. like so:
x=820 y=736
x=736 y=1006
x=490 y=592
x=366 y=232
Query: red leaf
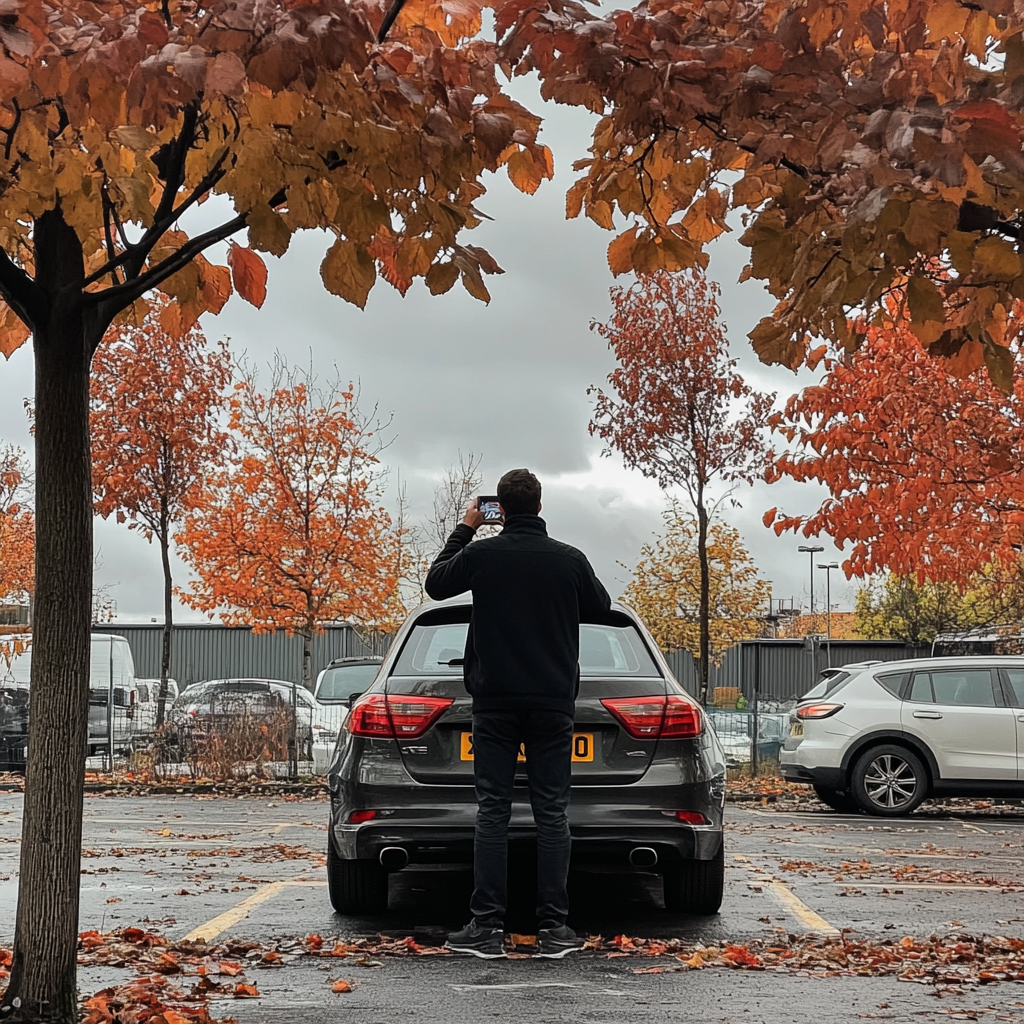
x=249 y=273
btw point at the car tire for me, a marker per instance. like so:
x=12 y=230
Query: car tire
x=837 y=800
x=695 y=886
x=889 y=781
x=356 y=886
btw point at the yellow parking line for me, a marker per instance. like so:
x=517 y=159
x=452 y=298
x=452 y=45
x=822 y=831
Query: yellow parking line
x=222 y=922
x=803 y=913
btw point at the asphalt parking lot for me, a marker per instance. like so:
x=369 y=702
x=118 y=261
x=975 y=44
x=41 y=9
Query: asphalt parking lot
x=252 y=868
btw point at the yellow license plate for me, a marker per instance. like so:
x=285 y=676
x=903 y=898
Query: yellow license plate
x=582 y=747
x=797 y=730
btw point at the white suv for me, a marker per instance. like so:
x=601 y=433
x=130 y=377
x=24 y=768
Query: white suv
x=883 y=736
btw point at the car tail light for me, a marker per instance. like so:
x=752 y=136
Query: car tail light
x=358 y=817
x=818 y=710
x=396 y=716
x=651 y=718
x=688 y=817
x=369 y=717
x=413 y=716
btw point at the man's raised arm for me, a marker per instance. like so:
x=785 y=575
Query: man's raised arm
x=449 y=575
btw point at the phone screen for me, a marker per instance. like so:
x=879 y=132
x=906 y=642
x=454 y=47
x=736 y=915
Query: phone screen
x=490 y=508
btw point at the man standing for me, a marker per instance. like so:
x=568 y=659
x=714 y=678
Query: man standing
x=522 y=670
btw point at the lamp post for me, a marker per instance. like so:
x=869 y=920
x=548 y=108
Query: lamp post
x=812 y=550
x=828 y=567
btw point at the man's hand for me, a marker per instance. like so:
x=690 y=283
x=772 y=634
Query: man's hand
x=473 y=518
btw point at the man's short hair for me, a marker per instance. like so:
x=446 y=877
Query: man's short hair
x=519 y=493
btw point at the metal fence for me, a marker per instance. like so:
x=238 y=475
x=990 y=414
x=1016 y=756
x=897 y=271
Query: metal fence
x=780 y=671
x=209 y=651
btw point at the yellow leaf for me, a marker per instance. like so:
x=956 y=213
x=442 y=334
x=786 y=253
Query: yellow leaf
x=995 y=260
x=13 y=332
x=348 y=271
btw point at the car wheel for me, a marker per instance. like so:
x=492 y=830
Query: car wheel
x=695 y=886
x=356 y=886
x=838 y=800
x=889 y=781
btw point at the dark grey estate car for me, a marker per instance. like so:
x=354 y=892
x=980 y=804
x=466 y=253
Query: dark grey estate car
x=648 y=770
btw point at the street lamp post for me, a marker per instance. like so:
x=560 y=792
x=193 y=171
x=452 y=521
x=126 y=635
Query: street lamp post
x=828 y=567
x=812 y=550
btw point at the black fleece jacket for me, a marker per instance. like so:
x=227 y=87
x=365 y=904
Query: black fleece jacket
x=530 y=594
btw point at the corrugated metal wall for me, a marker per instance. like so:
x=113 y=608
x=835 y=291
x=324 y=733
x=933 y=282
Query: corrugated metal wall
x=787 y=669
x=200 y=651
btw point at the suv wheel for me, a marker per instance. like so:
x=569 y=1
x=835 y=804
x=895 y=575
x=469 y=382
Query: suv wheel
x=695 y=886
x=356 y=886
x=889 y=781
x=838 y=800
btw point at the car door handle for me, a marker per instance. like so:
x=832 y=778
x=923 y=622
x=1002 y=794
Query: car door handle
x=927 y=714
x=1020 y=718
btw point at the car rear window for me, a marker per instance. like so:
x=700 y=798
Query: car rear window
x=830 y=682
x=893 y=682
x=604 y=651
x=343 y=681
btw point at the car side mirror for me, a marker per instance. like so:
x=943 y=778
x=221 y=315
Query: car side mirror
x=353 y=697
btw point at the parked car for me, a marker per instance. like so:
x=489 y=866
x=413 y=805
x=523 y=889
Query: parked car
x=648 y=770
x=144 y=722
x=228 y=707
x=883 y=736
x=112 y=698
x=337 y=686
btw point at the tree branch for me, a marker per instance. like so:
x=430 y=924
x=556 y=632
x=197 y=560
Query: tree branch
x=113 y=300
x=21 y=293
x=389 y=19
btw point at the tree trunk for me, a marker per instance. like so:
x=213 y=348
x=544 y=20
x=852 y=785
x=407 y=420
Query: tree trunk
x=42 y=986
x=165 y=654
x=704 y=611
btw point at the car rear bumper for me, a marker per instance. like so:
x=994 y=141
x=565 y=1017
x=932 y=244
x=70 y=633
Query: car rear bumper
x=827 y=778
x=609 y=846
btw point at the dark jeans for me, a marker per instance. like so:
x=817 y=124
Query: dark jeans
x=547 y=737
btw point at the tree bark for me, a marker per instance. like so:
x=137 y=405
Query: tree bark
x=42 y=986
x=704 y=611
x=165 y=654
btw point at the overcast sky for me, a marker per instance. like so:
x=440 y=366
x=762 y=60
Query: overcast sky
x=508 y=380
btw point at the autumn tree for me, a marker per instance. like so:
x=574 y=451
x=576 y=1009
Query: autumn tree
x=869 y=145
x=292 y=533
x=924 y=466
x=677 y=409
x=891 y=607
x=157 y=395
x=666 y=588
x=17 y=528
x=372 y=120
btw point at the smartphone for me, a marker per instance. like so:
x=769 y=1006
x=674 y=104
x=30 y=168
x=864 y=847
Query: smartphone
x=488 y=505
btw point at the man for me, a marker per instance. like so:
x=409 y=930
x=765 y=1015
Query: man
x=522 y=670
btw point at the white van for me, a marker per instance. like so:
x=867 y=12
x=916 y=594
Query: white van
x=111 y=683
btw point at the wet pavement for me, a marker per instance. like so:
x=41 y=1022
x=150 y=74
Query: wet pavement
x=253 y=868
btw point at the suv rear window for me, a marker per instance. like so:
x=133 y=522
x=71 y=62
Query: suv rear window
x=830 y=681
x=604 y=651
x=894 y=682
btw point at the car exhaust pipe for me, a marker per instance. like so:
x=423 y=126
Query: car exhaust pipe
x=394 y=858
x=643 y=857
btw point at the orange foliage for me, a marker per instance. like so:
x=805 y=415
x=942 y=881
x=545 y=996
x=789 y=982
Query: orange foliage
x=870 y=144
x=17 y=528
x=924 y=467
x=291 y=534
x=156 y=396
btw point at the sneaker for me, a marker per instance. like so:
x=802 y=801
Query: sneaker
x=554 y=943
x=486 y=943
